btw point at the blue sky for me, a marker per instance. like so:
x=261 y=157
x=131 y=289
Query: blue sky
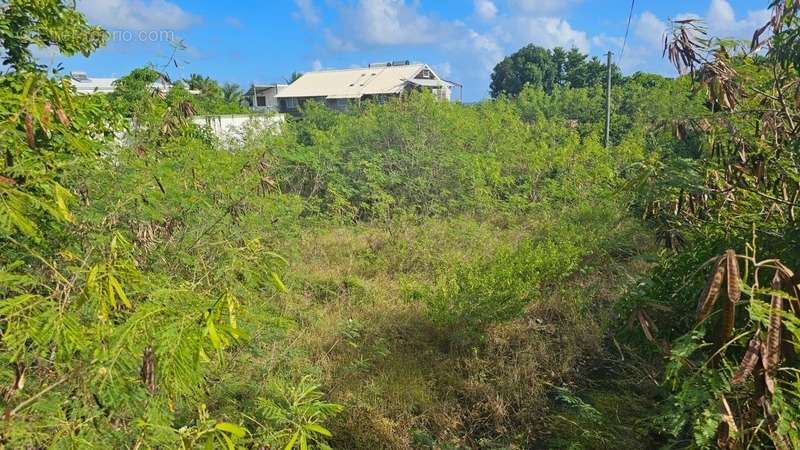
x=265 y=41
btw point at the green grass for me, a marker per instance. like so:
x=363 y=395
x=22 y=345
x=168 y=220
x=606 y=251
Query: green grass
x=355 y=325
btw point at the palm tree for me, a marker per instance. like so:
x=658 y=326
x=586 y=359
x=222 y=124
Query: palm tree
x=232 y=93
x=206 y=85
x=196 y=82
x=294 y=76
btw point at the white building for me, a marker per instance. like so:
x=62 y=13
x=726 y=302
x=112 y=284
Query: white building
x=263 y=97
x=339 y=88
x=234 y=128
x=85 y=85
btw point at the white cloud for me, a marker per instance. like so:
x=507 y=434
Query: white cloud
x=476 y=53
x=398 y=23
x=650 y=29
x=720 y=11
x=607 y=42
x=444 y=69
x=137 y=14
x=722 y=21
x=390 y=22
x=316 y=65
x=307 y=11
x=485 y=9
x=336 y=43
x=495 y=29
x=548 y=32
x=472 y=53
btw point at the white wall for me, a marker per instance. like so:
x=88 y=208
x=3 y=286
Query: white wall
x=236 y=126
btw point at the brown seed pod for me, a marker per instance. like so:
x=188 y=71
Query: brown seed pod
x=733 y=296
x=768 y=380
x=791 y=306
x=772 y=356
x=62 y=116
x=791 y=285
x=711 y=291
x=724 y=435
x=750 y=359
x=47 y=113
x=732 y=273
x=149 y=370
x=726 y=427
x=647 y=325
x=728 y=319
x=8 y=181
x=29 y=130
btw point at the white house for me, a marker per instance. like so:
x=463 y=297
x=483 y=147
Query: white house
x=263 y=97
x=85 y=85
x=338 y=88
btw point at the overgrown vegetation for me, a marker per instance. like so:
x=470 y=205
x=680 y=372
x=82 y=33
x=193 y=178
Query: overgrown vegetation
x=409 y=275
x=732 y=371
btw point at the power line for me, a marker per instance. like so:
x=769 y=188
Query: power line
x=627 y=29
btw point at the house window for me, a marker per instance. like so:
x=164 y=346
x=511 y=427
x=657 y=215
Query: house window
x=291 y=103
x=426 y=74
x=261 y=101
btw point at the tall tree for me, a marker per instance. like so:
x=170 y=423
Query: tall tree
x=44 y=23
x=529 y=65
x=206 y=85
x=547 y=69
x=232 y=93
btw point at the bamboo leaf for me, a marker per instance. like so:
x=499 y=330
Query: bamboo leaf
x=211 y=328
x=319 y=429
x=61 y=196
x=292 y=441
x=276 y=280
x=228 y=442
x=120 y=292
x=231 y=428
x=303 y=441
x=112 y=297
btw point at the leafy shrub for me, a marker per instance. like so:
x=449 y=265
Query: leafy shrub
x=294 y=415
x=499 y=289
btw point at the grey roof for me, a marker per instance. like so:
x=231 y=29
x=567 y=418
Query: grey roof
x=354 y=83
x=429 y=83
x=264 y=87
x=86 y=85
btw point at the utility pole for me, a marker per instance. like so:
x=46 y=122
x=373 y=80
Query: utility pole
x=608 y=99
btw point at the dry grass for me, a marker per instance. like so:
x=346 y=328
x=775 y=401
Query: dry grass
x=356 y=329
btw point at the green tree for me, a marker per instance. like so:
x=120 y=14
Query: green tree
x=232 y=93
x=44 y=23
x=133 y=93
x=548 y=69
x=97 y=350
x=211 y=98
x=206 y=85
x=529 y=65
